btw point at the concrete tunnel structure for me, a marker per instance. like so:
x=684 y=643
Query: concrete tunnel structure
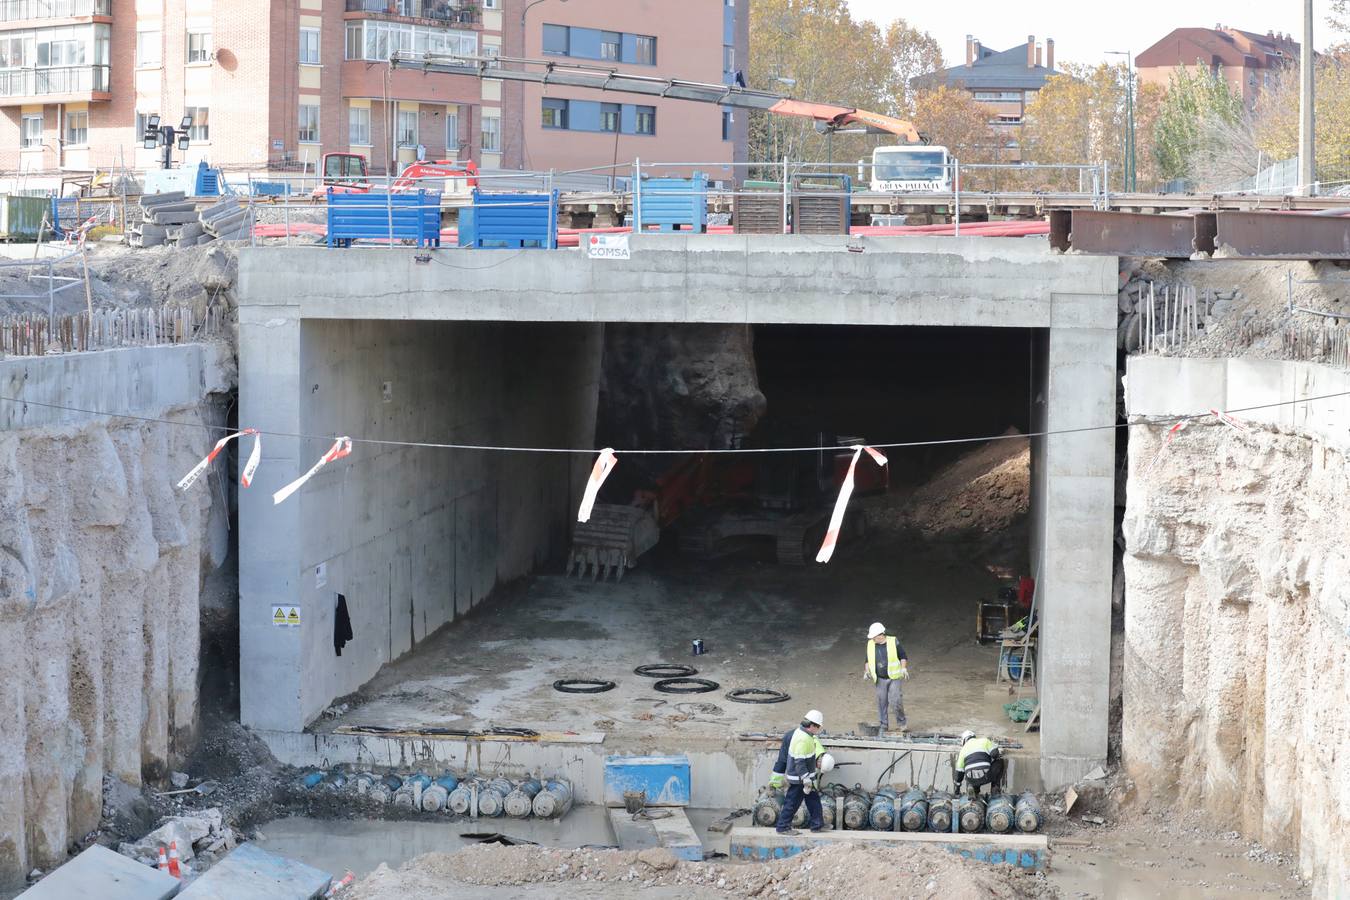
x=504 y=348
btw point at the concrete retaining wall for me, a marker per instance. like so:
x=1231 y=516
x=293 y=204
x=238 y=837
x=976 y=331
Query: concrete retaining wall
x=101 y=561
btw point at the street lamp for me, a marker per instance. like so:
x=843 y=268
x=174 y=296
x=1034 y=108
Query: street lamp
x=527 y=9
x=1129 y=117
x=157 y=135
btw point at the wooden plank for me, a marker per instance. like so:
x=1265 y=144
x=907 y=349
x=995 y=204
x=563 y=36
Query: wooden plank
x=102 y=873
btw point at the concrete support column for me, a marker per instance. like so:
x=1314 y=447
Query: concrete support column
x=1076 y=496
x=269 y=536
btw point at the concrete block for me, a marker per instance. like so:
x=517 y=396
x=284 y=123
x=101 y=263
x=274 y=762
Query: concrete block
x=1030 y=852
x=630 y=833
x=99 y=872
x=677 y=835
x=251 y=873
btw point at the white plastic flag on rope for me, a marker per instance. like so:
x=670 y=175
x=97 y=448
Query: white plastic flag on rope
x=341 y=447
x=841 y=504
x=245 y=479
x=604 y=464
x=1167 y=441
x=1235 y=424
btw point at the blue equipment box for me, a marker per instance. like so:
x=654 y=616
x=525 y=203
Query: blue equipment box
x=665 y=779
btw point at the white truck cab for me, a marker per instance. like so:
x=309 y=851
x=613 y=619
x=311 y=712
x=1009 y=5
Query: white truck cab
x=917 y=167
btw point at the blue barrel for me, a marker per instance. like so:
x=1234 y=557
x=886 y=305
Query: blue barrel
x=460 y=801
x=913 y=810
x=1000 y=815
x=312 y=779
x=940 y=811
x=448 y=781
x=554 y=800
x=971 y=811
x=520 y=802
x=881 y=817
x=492 y=798
x=392 y=782
x=857 y=807
x=1015 y=666
x=336 y=779
x=1028 y=813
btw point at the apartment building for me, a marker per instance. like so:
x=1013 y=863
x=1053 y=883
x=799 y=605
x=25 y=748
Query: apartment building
x=1003 y=81
x=1246 y=60
x=267 y=84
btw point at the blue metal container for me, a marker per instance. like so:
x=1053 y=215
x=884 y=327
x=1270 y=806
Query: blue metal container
x=914 y=810
x=881 y=817
x=1000 y=816
x=554 y=800
x=940 y=811
x=696 y=647
x=520 y=802
x=664 y=779
x=448 y=781
x=971 y=811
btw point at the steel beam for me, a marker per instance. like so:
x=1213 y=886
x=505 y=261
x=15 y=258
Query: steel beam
x=1276 y=235
x=1131 y=234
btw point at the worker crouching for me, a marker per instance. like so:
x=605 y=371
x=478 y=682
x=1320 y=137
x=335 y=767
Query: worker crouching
x=886 y=666
x=979 y=763
x=806 y=763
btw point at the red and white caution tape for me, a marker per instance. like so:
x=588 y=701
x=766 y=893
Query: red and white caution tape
x=841 y=504
x=341 y=447
x=1236 y=424
x=1167 y=441
x=246 y=479
x=604 y=464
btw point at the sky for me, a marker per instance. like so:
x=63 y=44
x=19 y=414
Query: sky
x=1084 y=31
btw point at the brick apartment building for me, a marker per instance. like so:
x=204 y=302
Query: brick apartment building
x=276 y=84
x=1003 y=81
x=1247 y=61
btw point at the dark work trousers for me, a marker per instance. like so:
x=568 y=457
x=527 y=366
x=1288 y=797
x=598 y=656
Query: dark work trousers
x=795 y=795
x=992 y=776
x=890 y=697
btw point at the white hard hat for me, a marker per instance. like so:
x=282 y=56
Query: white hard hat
x=826 y=762
x=876 y=629
x=815 y=717
x=966 y=735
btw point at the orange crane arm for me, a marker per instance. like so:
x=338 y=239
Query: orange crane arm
x=836 y=117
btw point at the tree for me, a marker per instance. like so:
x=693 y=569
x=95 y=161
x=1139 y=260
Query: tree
x=1199 y=114
x=953 y=118
x=1079 y=118
x=828 y=57
x=1275 y=121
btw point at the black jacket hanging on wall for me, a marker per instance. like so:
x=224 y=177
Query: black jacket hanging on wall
x=342 y=625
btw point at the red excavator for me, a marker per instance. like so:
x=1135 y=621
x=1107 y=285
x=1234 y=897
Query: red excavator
x=346 y=173
x=719 y=504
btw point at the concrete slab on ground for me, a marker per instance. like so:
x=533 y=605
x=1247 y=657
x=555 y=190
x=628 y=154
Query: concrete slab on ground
x=630 y=833
x=677 y=835
x=107 y=875
x=1025 y=851
x=251 y=873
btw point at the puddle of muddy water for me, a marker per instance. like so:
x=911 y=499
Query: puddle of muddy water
x=360 y=845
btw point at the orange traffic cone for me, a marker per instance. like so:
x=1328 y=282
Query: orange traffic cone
x=174 y=868
x=163 y=860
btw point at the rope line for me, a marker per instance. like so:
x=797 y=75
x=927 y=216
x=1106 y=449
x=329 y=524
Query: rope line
x=1152 y=420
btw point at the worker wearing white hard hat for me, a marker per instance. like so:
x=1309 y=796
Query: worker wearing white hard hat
x=979 y=762
x=886 y=666
x=803 y=753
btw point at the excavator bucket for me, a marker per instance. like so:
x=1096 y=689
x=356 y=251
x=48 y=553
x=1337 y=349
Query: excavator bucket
x=611 y=541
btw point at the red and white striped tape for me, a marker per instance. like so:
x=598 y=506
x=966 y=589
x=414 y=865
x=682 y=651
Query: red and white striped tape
x=245 y=479
x=604 y=464
x=341 y=447
x=1167 y=441
x=1236 y=424
x=841 y=504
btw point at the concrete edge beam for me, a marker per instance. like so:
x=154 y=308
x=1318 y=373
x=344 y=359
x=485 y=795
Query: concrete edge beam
x=1030 y=852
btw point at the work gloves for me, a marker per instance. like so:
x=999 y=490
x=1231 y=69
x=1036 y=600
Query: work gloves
x=777 y=780
x=904 y=670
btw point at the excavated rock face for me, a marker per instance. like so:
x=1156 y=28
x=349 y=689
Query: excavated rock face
x=1237 y=637
x=678 y=386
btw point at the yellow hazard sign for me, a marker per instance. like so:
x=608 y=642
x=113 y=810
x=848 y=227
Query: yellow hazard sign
x=287 y=616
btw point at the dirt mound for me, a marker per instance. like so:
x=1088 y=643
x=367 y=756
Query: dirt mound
x=983 y=492
x=826 y=871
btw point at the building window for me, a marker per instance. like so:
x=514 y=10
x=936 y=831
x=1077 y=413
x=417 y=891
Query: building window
x=355 y=41
x=646 y=50
x=492 y=134
x=406 y=128
x=555 y=113
x=727 y=119
x=492 y=51
x=728 y=58
x=201 y=123
x=358 y=126
x=646 y=120
x=491 y=4
x=54 y=54
x=13 y=53
x=610 y=44
x=998 y=96
x=556 y=39
x=309 y=123
x=451 y=132
x=77 y=128
x=309 y=46
x=147 y=48
x=610 y=116
x=199 y=47
x=31 y=136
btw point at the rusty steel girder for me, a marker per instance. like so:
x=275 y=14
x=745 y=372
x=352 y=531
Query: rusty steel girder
x=1280 y=235
x=1129 y=234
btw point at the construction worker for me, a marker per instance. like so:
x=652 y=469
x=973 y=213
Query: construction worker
x=980 y=762
x=807 y=761
x=886 y=665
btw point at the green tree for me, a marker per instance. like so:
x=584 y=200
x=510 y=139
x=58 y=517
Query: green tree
x=1277 y=114
x=1197 y=112
x=1079 y=118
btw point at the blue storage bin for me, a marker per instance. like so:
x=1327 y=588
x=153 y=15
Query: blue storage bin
x=665 y=779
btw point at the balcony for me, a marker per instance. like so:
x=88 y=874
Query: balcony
x=29 y=10
x=442 y=11
x=51 y=85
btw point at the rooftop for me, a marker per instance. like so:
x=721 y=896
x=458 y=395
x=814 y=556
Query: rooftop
x=993 y=70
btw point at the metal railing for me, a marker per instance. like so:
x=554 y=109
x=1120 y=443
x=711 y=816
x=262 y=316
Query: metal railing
x=439 y=10
x=58 y=80
x=16 y=10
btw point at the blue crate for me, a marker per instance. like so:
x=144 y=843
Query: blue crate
x=514 y=221
x=669 y=203
x=665 y=779
x=414 y=216
x=270 y=188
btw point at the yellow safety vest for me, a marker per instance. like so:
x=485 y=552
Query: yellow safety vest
x=892 y=659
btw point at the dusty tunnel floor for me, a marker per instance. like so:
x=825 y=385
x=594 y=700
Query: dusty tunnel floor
x=790 y=629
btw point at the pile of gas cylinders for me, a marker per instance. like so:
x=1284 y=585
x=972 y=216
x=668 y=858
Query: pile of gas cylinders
x=467 y=795
x=891 y=809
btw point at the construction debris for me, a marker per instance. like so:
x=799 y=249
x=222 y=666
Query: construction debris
x=171 y=218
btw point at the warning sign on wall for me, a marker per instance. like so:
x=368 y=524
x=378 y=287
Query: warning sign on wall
x=286 y=616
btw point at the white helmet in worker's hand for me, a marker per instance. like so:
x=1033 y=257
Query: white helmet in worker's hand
x=876 y=629
x=815 y=717
x=826 y=762
x=966 y=735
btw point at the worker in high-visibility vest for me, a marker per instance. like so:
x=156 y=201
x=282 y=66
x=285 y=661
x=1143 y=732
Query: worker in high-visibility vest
x=807 y=762
x=886 y=665
x=980 y=762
